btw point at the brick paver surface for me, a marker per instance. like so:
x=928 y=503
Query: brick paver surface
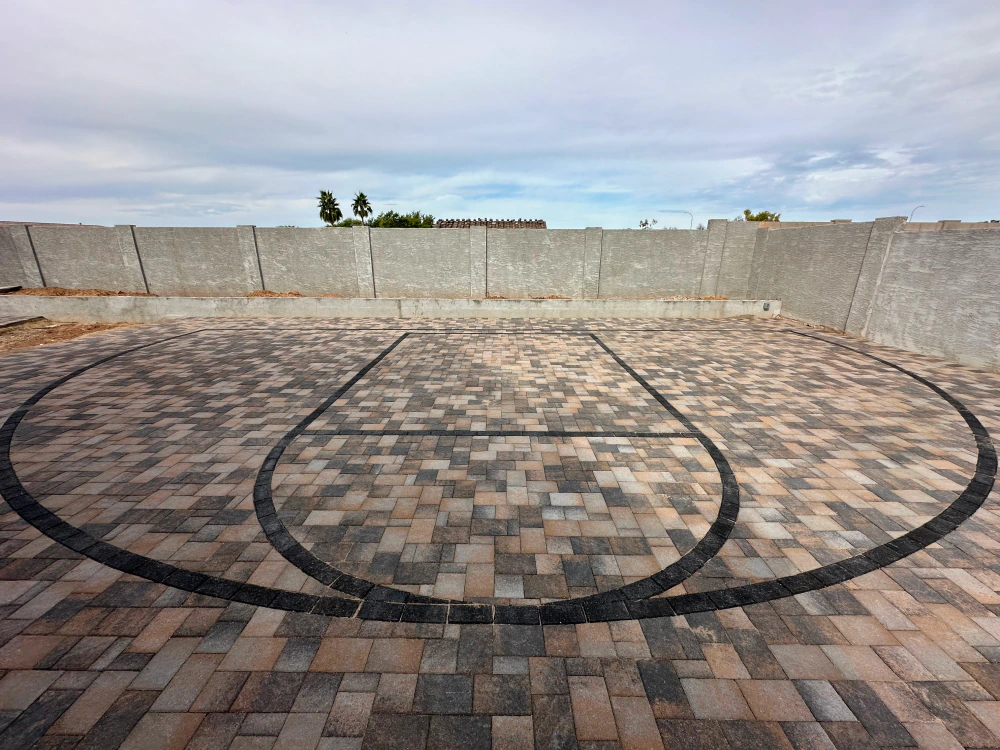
x=573 y=534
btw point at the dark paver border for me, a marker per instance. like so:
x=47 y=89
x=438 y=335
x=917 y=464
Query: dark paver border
x=387 y=602
x=597 y=608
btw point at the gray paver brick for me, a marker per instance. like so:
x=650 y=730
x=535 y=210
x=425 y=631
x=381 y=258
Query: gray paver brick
x=158 y=452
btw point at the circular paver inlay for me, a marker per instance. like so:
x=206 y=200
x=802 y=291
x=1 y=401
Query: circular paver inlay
x=548 y=475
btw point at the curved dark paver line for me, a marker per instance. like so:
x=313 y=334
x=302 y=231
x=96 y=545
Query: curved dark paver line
x=26 y=506
x=967 y=503
x=418 y=610
x=283 y=541
x=391 y=604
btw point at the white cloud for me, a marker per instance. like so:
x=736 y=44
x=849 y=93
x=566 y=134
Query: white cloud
x=582 y=114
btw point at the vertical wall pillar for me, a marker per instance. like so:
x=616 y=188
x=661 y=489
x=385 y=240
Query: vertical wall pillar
x=363 y=261
x=870 y=276
x=33 y=276
x=713 y=257
x=592 y=253
x=249 y=260
x=125 y=235
x=756 y=264
x=477 y=262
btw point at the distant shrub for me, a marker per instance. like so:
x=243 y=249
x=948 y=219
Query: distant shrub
x=759 y=216
x=393 y=220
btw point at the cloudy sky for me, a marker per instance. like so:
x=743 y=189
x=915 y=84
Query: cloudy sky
x=581 y=113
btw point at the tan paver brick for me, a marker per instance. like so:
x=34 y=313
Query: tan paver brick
x=158 y=451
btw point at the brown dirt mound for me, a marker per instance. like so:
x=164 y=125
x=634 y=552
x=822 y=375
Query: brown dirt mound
x=41 y=332
x=58 y=291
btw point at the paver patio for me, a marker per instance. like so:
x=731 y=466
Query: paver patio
x=473 y=533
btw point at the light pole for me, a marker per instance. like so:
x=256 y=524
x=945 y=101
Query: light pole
x=913 y=212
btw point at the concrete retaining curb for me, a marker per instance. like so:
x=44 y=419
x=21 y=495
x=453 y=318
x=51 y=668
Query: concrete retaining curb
x=151 y=309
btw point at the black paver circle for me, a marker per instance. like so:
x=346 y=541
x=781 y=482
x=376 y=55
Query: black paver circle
x=387 y=603
x=623 y=603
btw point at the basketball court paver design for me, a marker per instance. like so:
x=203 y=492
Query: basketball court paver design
x=584 y=534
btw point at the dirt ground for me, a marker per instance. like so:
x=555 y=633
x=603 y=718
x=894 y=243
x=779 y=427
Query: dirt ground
x=40 y=332
x=58 y=291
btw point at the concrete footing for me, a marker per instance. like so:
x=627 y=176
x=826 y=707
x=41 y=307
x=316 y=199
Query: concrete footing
x=151 y=309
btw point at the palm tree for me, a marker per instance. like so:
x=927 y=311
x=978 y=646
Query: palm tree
x=361 y=207
x=329 y=209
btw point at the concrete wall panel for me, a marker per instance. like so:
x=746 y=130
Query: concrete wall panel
x=422 y=262
x=26 y=254
x=363 y=261
x=313 y=261
x=246 y=241
x=644 y=264
x=813 y=270
x=714 y=248
x=125 y=234
x=85 y=257
x=539 y=263
x=736 y=260
x=876 y=254
x=194 y=261
x=594 y=239
x=939 y=295
x=757 y=259
x=478 y=250
x=11 y=273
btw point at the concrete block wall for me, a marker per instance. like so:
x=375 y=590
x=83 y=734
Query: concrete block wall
x=360 y=262
x=938 y=293
x=929 y=291
x=871 y=272
x=812 y=270
x=523 y=263
x=737 y=255
x=422 y=263
x=11 y=272
x=199 y=261
x=933 y=292
x=639 y=264
x=23 y=257
x=314 y=262
x=111 y=264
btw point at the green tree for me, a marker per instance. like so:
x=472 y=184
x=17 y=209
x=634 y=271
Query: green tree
x=349 y=223
x=759 y=216
x=361 y=207
x=391 y=219
x=329 y=209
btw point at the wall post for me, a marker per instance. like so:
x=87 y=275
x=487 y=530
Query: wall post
x=129 y=250
x=478 y=239
x=363 y=262
x=759 y=249
x=593 y=240
x=33 y=276
x=870 y=275
x=713 y=257
x=249 y=259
